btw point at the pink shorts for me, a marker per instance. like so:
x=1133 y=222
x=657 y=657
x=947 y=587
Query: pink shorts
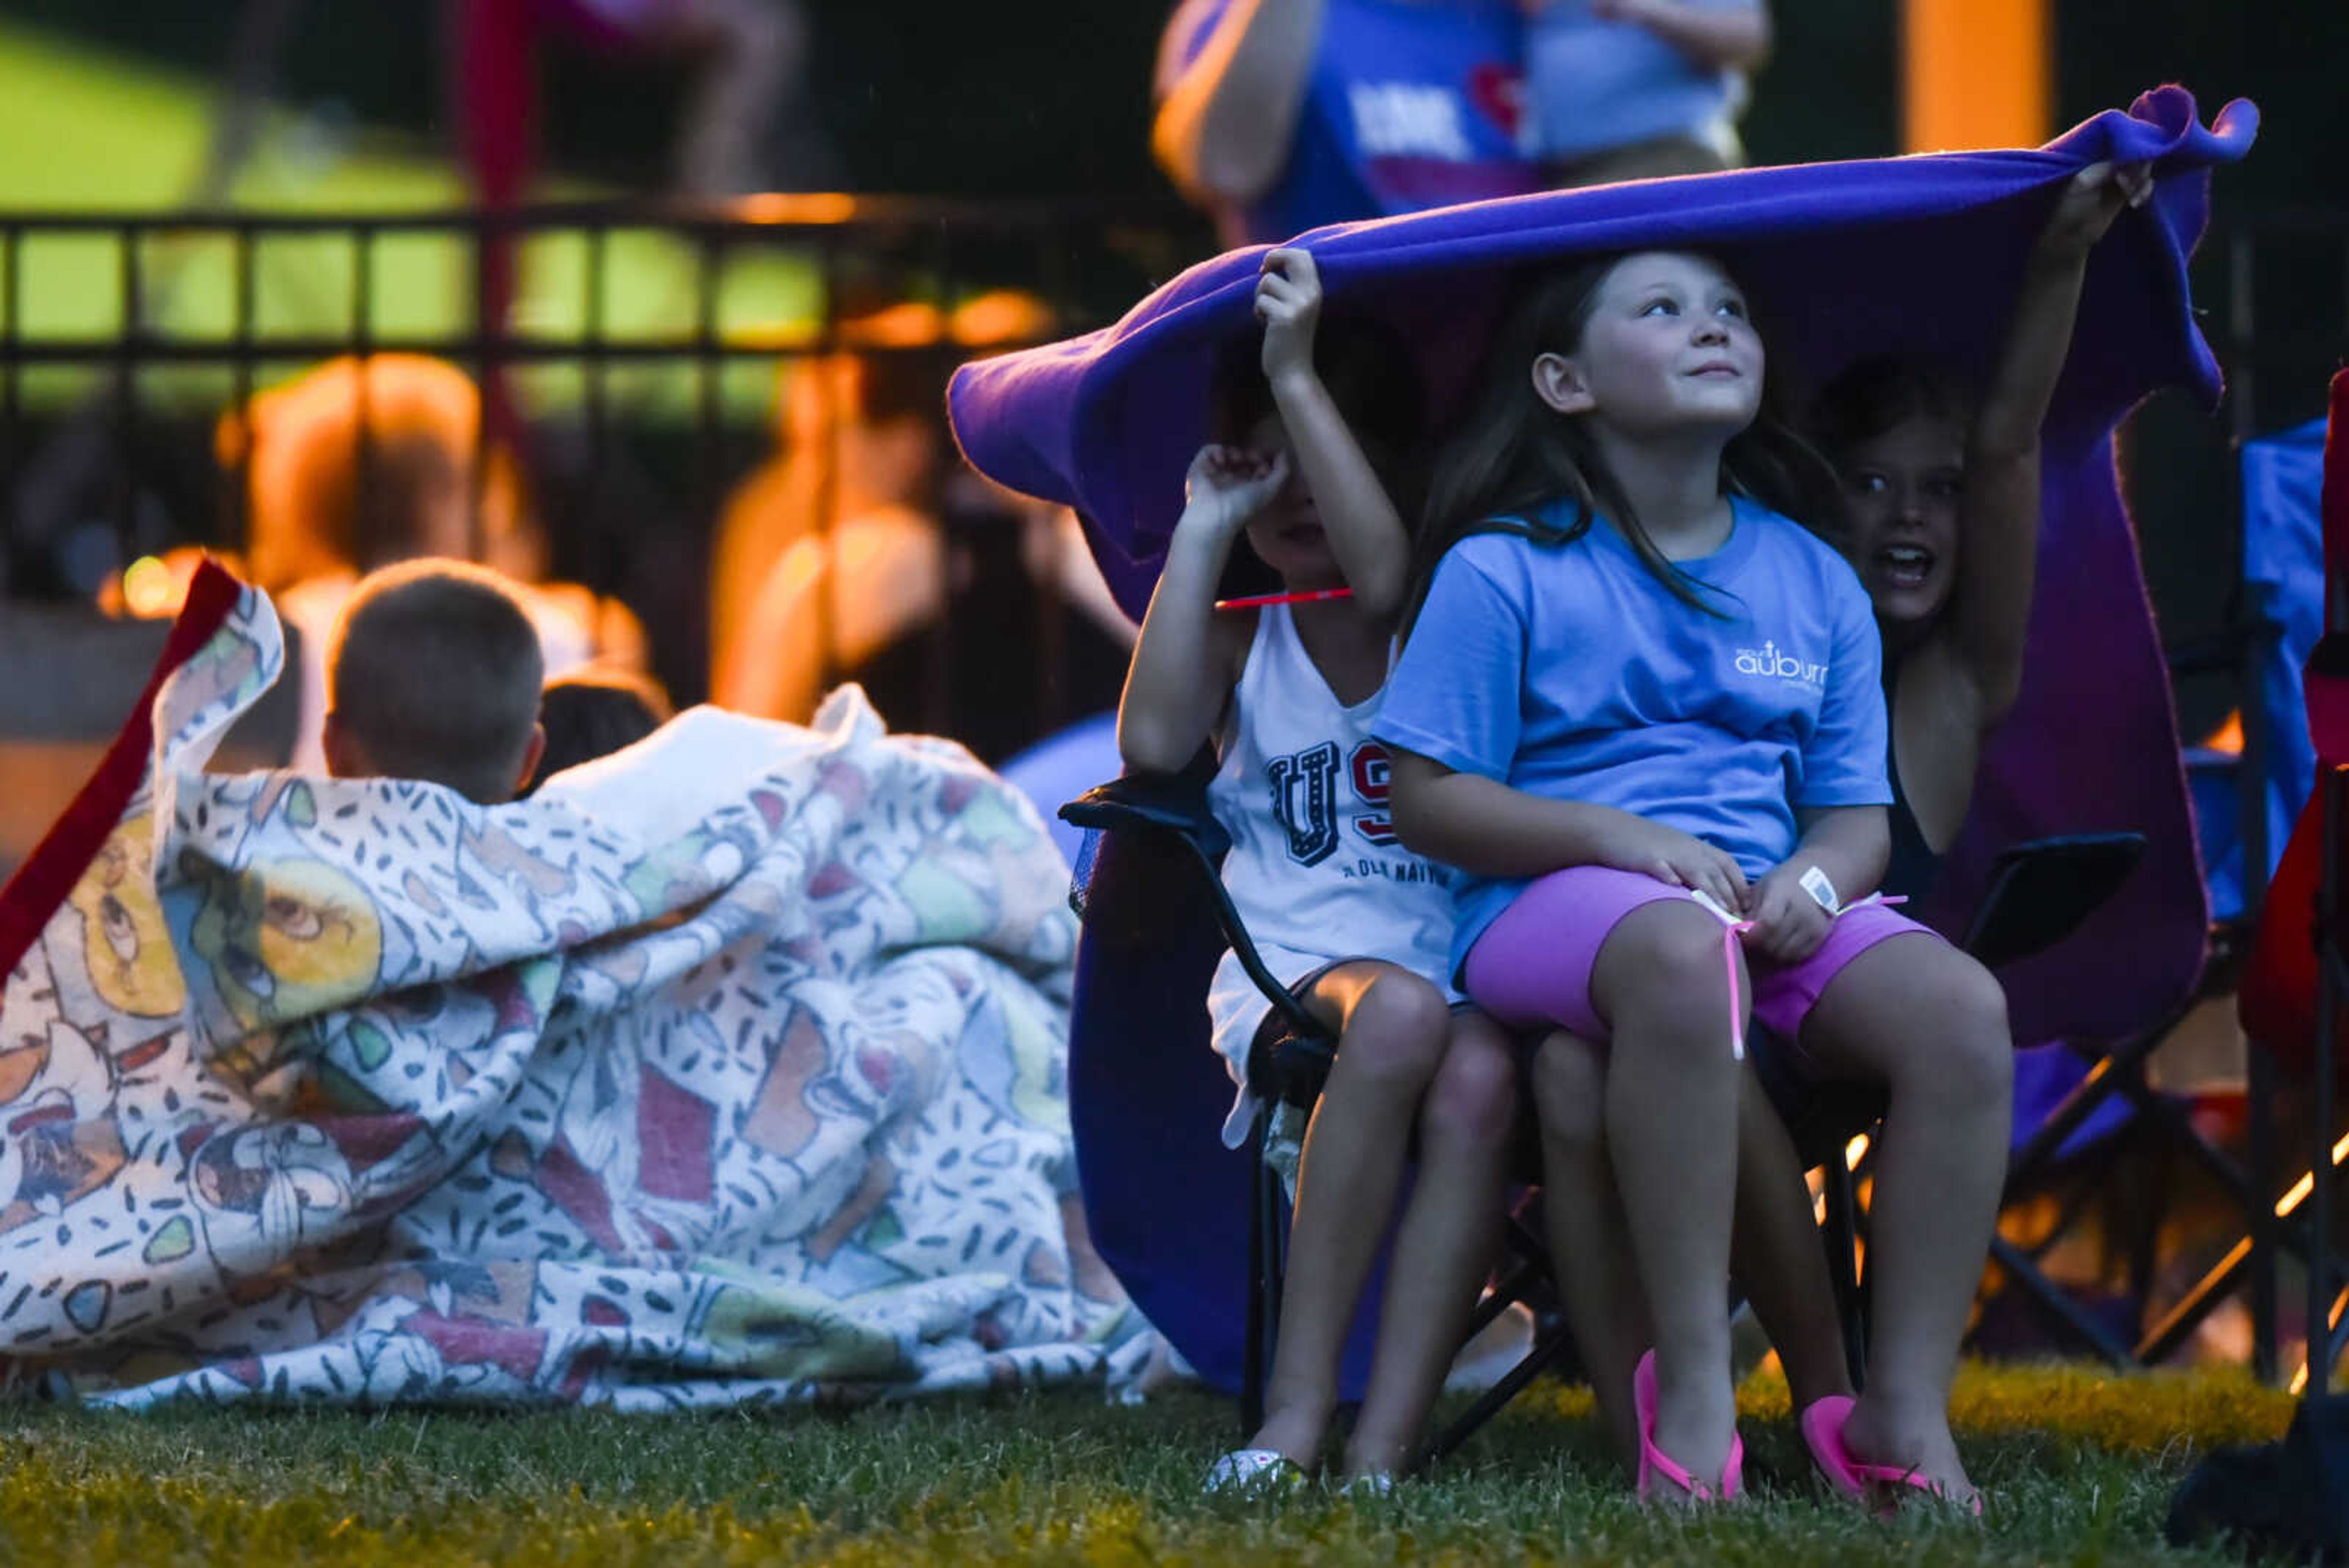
x=1533 y=965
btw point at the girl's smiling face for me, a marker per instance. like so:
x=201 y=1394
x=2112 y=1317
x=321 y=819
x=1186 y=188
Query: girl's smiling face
x=1668 y=349
x=1902 y=490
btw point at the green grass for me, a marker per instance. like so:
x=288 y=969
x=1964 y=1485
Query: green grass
x=2079 y=1467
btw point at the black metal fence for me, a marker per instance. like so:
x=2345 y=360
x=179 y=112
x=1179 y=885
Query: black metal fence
x=644 y=339
x=638 y=353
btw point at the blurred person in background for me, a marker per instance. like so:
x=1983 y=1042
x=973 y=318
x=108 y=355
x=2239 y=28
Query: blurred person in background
x=740 y=128
x=867 y=552
x=1278 y=116
x=745 y=126
x=1634 y=90
x=360 y=464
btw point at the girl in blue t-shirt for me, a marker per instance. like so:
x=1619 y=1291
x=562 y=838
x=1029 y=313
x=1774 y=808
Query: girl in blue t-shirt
x=1639 y=708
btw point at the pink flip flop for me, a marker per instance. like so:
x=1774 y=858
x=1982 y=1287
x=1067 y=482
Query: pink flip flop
x=1822 y=1423
x=1654 y=1461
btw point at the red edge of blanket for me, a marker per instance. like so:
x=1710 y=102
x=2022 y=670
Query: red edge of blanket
x=42 y=882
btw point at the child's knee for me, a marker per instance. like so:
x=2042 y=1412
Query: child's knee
x=1971 y=1059
x=1396 y=1030
x=1569 y=1080
x=1474 y=1095
x=1670 y=972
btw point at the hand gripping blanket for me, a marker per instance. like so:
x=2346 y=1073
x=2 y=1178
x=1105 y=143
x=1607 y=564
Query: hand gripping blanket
x=1920 y=254
x=729 y=1068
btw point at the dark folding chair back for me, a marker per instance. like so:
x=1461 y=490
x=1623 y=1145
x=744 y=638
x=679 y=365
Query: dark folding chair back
x=2293 y=994
x=1167 y=1203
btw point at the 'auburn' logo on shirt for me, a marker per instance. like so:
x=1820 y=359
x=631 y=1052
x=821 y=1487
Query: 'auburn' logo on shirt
x=1305 y=803
x=1773 y=662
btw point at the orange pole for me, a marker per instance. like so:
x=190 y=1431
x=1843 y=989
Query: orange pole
x=1974 y=74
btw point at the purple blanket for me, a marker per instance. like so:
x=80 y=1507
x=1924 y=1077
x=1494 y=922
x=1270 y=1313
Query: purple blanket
x=1920 y=255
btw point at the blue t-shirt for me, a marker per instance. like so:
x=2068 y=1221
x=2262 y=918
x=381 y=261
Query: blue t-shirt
x=1595 y=85
x=1571 y=672
x=1410 y=104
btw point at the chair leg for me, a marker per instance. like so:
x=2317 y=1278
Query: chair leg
x=1548 y=1349
x=1843 y=1266
x=1263 y=1291
x=2059 y=1307
x=2259 y=1090
x=1551 y=1347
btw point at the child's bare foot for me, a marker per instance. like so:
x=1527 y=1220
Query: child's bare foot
x=1690 y=1453
x=1294 y=1434
x=1907 y=1449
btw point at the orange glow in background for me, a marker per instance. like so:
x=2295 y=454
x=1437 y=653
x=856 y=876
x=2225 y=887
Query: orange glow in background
x=1974 y=74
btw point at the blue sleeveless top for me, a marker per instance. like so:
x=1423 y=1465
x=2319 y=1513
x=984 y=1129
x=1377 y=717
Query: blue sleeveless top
x=1915 y=866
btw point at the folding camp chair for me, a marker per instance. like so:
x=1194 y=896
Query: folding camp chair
x=1155 y=920
x=2038 y=893
x=2245 y=804
x=2296 y=983
x=1144 y=948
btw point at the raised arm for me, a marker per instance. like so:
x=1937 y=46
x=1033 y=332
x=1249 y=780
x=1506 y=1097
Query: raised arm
x=1366 y=534
x=1186 y=659
x=1999 y=516
x=1226 y=121
x=1724 y=37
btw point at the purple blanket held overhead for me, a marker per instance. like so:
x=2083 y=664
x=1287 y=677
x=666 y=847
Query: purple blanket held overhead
x=1920 y=254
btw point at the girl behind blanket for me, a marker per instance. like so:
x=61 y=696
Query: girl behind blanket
x=1345 y=917
x=1639 y=704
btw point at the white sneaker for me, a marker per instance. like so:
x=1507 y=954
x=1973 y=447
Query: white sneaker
x=1253 y=1472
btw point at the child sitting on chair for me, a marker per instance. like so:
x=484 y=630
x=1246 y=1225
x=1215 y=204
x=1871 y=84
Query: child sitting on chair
x=1353 y=923
x=433 y=673
x=1940 y=494
x=1639 y=706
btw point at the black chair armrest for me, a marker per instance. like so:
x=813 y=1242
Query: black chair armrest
x=2039 y=892
x=1170 y=803
x=1174 y=806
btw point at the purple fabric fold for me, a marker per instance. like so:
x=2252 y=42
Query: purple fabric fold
x=1918 y=254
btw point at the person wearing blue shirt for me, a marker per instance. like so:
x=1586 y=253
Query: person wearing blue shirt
x=1631 y=90
x=1279 y=116
x=1572 y=670
x=1642 y=709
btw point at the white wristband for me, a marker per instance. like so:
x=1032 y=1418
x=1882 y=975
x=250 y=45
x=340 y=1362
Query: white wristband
x=1814 y=882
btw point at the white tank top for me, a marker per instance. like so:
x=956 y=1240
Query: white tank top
x=1315 y=869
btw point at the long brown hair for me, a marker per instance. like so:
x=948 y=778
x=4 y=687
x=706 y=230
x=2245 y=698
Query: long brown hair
x=1511 y=455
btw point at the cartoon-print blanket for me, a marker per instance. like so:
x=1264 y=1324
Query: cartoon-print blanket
x=729 y=1068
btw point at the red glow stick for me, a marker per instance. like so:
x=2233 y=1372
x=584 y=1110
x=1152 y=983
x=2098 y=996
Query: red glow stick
x=1257 y=601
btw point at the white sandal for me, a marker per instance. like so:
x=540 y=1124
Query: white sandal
x=1253 y=1472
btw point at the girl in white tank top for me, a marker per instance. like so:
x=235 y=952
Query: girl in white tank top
x=1353 y=923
